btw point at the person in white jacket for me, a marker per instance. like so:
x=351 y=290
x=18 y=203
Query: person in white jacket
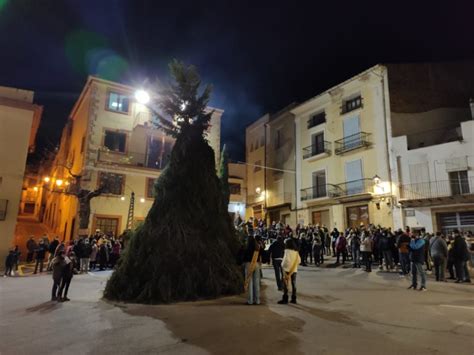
x=291 y=260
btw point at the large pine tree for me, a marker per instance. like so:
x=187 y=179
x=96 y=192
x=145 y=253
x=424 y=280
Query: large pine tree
x=185 y=250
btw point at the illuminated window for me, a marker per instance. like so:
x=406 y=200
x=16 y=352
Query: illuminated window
x=118 y=102
x=234 y=189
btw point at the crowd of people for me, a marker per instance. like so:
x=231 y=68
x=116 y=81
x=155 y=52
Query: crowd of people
x=408 y=251
x=99 y=251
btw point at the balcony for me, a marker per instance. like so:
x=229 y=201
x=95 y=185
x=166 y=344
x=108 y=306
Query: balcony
x=133 y=159
x=357 y=188
x=317 y=149
x=352 y=142
x=314 y=192
x=279 y=199
x=437 y=192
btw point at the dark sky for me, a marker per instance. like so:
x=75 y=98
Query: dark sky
x=260 y=56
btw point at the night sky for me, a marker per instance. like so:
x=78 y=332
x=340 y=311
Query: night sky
x=260 y=56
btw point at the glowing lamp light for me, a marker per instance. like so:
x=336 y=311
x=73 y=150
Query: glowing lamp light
x=142 y=97
x=35 y=188
x=66 y=183
x=59 y=182
x=46 y=179
x=122 y=198
x=258 y=190
x=142 y=200
x=376 y=179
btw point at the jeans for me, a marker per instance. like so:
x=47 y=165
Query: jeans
x=440 y=267
x=278 y=272
x=85 y=264
x=293 y=286
x=404 y=263
x=367 y=260
x=417 y=268
x=254 y=284
x=54 y=292
x=356 y=257
x=40 y=263
x=387 y=258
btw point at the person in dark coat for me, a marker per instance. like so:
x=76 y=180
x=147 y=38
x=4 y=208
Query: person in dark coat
x=57 y=266
x=40 y=256
x=52 y=249
x=460 y=256
x=70 y=265
x=9 y=263
x=31 y=246
x=103 y=256
x=276 y=251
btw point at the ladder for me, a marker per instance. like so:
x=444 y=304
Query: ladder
x=131 y=208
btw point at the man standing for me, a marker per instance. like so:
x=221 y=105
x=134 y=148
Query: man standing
x=403 y=252
x=31 y=246
x=52 y=249
x=40 y=255
x=439 y=253
x=417 y=258
x=276 y=252
x=460 y=255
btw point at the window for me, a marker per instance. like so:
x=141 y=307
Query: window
x=251 y=147
x=107 y=225
x=459 y=182
x=351 y=104
x=357 y=215
x=354 y=182
x=234 y=189
x=3 y=209
x=150 y=185
x=317 y=143
x=257 y=166
x=319 y=184
x=115 y=141
x=118 y=102
x=114 y=182
x=317 y=119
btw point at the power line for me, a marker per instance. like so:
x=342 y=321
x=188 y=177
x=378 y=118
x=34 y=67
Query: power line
x=263 y=166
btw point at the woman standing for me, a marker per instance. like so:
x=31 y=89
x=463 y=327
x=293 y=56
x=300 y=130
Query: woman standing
x=290 y=262
x=366 y=250
x=252 y=261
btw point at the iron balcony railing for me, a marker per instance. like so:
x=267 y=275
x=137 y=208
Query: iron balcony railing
x=314 y=192
x=437 y=189
x=135 y=159
x=354 y=187
x=316 y=149
x=354 y=141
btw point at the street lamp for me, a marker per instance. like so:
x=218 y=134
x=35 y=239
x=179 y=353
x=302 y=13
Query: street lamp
x=46 y=179
x=258 y=190
x=59 y=182
x=376 y=179
x=142 y=96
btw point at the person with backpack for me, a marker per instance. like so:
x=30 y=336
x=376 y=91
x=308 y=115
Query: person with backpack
x=291 y=259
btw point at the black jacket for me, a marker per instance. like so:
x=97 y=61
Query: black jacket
x=277 y=249
x=460 y=250
x=41 y=252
